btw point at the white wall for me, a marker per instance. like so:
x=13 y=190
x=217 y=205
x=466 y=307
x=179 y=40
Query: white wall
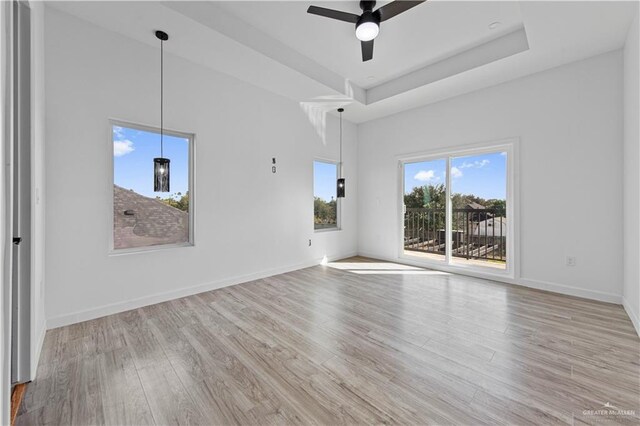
x=249 y=222
x=569 y=121
x=632 y=176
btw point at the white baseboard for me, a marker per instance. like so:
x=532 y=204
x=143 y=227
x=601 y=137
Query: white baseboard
x=568 y=290
x=524 y=282
x=35 y=358
x=114 y=308
x=633 y=316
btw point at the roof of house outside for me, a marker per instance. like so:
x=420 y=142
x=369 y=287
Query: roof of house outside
x=149 y=222
x=476 y=206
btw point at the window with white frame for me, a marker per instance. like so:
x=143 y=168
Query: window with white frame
x=143 y=218
x=325 y=201
x=457 y=208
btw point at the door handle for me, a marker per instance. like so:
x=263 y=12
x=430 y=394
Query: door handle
x=17 y=240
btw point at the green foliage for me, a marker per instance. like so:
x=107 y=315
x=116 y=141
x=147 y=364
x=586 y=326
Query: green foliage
x=324 y=213
x=434 y=196
x=497 y=204
x=177 y=200
x=461 y=201
x=428 y=196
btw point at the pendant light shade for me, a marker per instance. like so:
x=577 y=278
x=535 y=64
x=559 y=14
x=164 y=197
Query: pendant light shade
x=340 y=184
x=340 y=188
x=161 y=164
x=161 y=174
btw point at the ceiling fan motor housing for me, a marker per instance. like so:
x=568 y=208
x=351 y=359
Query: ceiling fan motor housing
x=368 y=16
x=367 y=5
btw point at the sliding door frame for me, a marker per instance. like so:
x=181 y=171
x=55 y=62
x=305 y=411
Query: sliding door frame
x=6 y=204
x=510 y=146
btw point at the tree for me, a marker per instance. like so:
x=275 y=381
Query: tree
x=177 y=200
x=324 y=212
x=433 y=198
x=498 y=205
x=461 y=201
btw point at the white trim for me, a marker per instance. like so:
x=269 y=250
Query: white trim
x=508 y=145
x=633 y=316
x=147 y=249
x=35 y=360
x=448 y=213
x=568 y=290
x=332 y=229
x=114 y=308
x=6 y=150
x=458 y=150
x=191 y=137
x=523 y=282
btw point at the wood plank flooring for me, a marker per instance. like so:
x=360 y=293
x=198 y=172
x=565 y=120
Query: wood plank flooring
x=16 y=400
x=353 y=342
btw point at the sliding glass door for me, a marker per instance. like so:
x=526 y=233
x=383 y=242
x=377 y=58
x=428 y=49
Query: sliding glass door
x=425 y=209
x=456 y=209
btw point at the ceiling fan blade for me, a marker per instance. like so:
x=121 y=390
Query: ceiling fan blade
x=367 y=50
x=333 y=14
x=394 y=8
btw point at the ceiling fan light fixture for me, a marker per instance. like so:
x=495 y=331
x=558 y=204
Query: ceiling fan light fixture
x=367 y=31
x=368 y=23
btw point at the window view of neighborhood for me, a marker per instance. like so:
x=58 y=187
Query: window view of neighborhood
x=478 y=209
x=142 y=217
x=325 y=204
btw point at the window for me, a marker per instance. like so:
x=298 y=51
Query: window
x=457 y=209
x=143 y=218
x=325 y=202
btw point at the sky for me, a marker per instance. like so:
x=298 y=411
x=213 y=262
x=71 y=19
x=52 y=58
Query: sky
x=324 y=180
x=484 y=176
x=133 y=154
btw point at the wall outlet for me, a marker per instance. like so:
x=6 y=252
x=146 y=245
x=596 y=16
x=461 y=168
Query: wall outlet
x=571 y=261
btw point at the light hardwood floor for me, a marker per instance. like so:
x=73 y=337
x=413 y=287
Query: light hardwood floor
x=354 y=342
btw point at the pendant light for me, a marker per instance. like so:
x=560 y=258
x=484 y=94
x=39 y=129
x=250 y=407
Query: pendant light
x=161 y=164
x=340 y=187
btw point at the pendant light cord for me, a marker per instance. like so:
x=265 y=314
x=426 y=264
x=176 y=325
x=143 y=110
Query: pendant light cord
x=340 y=110
x=161 y=98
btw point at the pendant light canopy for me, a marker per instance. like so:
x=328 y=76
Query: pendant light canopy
x=340 y=185
x=161 y=164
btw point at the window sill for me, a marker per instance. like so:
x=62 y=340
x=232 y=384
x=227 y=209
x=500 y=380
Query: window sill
x=327 y=230
x=150 y=249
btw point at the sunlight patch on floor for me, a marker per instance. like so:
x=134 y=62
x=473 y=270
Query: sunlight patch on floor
x=372 y=266
x=382 y=268
x=388 y=272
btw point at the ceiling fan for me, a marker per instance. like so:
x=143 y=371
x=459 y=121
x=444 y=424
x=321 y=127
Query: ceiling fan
x=368 y=23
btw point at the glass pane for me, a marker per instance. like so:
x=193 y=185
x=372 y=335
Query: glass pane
x=425 y=209
x=325 y=205
x=142 y=217
x=479 y=210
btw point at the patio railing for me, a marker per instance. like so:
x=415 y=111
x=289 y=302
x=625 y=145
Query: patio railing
x=476 y=234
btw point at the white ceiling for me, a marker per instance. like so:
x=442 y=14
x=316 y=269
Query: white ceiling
x=316 y=61
x=422 y=35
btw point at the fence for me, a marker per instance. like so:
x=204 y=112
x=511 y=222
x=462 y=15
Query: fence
x=476 y=234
